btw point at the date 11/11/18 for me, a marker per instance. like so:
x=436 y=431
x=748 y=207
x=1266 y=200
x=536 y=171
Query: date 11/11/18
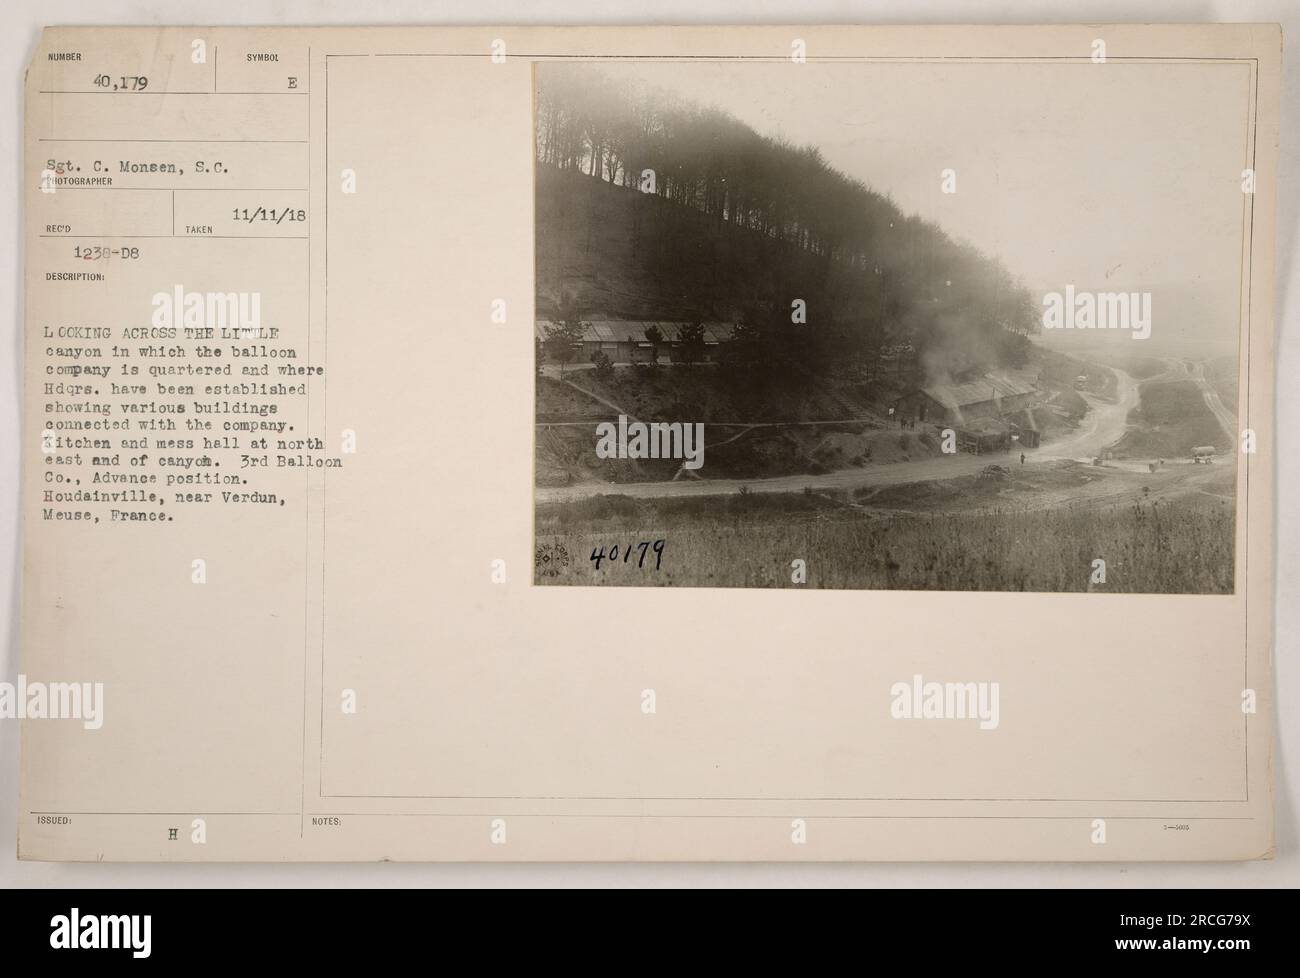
x=614 y=556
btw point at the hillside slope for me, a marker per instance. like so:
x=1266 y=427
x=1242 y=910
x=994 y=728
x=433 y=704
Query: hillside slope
x=627 y=255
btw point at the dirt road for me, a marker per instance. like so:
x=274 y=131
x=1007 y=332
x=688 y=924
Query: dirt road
x=1103 y=425
x=1226 y=418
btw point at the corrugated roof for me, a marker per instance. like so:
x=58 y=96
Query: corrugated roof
x=977 y=391
x=633 y=331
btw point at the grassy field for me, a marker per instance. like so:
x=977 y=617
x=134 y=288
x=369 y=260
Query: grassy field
x=1171 y=420
x=1181 y=546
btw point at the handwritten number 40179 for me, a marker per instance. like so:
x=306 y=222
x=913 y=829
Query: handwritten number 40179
x=614 y=556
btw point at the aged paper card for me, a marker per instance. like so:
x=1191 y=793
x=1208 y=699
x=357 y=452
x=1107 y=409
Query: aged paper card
x=773 y=443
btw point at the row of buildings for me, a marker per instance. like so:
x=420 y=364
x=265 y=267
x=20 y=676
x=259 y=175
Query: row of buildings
x=989 y=412
x=624 y=340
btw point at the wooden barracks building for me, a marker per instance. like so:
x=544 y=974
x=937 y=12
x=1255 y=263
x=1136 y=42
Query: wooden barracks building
x=979 y=410
x=623 y=340
x=954 y=404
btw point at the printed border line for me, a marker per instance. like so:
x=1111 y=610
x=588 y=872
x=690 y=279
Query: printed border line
x=1252 y=88
x=552 y=815
x=306 y=476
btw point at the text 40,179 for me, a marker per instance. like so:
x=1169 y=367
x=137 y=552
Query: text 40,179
x=623 y=555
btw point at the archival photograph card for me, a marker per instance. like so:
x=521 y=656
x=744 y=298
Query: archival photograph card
x=737 y=443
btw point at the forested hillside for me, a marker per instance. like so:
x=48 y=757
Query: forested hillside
x=649 y=207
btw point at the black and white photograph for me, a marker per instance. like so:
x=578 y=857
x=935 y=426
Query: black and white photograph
x=890 y=325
